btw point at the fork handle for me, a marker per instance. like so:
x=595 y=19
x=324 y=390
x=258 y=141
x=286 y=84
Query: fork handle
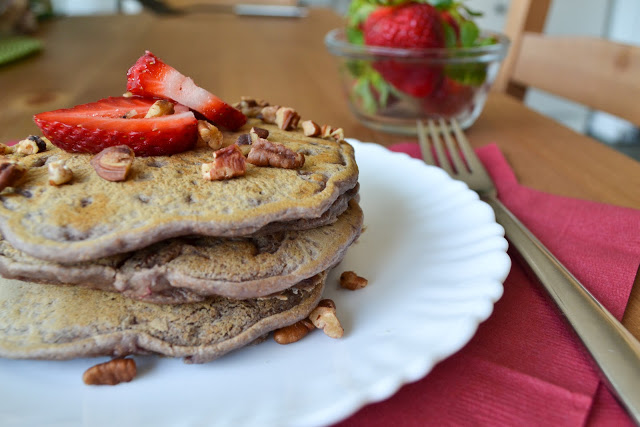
x=614 y=349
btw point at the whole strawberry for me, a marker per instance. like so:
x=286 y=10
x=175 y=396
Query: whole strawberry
x=450 y=99
x=410 y=25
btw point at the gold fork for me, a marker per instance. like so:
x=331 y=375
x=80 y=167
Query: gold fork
x=614 y=349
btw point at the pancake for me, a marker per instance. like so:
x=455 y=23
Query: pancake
x=191 y=268
x=66 y=322
x=166 y=197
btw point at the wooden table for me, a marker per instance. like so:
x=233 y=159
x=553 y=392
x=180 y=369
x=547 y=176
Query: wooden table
x=284 y=61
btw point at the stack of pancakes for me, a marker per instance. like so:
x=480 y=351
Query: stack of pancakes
x=167 y=262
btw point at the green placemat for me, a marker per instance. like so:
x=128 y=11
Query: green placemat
x=13 y=48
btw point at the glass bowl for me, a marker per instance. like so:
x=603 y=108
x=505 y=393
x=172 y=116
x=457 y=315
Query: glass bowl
x=390 y=88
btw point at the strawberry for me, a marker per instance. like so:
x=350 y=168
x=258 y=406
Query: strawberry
x=410 y=25
x=89 y=128
x=450 y=99
x=149 y=76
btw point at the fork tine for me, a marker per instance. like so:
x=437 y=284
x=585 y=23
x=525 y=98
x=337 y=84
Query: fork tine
x=441 y=155
x=424 y=144
x=454 y=153
x=470 y=156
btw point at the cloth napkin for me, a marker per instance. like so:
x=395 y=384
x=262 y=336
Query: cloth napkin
x=13 y=48
x=525 y=366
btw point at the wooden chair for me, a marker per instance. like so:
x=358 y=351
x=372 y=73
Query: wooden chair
x=597 y=73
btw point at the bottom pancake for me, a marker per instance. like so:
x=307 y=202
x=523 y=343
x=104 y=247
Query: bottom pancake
x=66 y=322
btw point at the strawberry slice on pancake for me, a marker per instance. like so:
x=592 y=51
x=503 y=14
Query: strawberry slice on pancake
x=149 y=76
x=90 y=128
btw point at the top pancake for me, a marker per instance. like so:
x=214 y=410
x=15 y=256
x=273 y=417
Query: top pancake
x=165 y=196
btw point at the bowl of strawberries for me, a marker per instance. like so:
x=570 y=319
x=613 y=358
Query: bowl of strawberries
x=405 y=60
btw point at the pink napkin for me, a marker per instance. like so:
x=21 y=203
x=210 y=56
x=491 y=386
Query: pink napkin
x=525 y=366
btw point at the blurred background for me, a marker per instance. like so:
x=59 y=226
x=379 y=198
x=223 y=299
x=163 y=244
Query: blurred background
x=613 y=19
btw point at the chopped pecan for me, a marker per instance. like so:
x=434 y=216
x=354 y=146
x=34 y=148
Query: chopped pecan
x=287 y=118
x=256 y=133
x=113 y=163
x=292 y=333
x=160 y=108
x=5 y=149
x=326 y=130
x=350 y=280
x=11 y=173
x=243 y=139
x=267 y=153
x=337 y=134
x=127 y=94
x=113 y=372
x=310 y=128
x=268 y=113
x=130 y=114
x=250 y=107
x=227 y=163
x=31 y=145
x=210 y=134
x=59 y=173
x=324 y=317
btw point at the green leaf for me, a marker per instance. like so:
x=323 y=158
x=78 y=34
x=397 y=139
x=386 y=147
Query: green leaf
x=354 y=35
x=472 y=12
x=469 y=32
x=362 y=90
x=450 y=38
x=441 y=4
x=467 y=74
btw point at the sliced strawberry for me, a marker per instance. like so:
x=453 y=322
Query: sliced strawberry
x=149 y=76
x=90 y=128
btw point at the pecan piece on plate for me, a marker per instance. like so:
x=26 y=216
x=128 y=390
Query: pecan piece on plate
x=113 y=163
x=350 y=280
x=113 y=372
x=324 y=317
x=293 y=333
x=267 y=153
x=227 y=163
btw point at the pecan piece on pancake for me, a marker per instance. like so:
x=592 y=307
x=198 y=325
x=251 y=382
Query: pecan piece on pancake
x=31 y=145
x=293 y=333
x=350 y=280
x=113 y=372
x=11 y=173
x=287 y=118
x=210 y=134
x=257 y=132
x=337 y=134
x=250 y=107
x=113 y=163
x=268 y=113
x=227 y=163
x=324 y=317
x=59 y=173
x=160 y=108
x=310 y=128
x=267 y=153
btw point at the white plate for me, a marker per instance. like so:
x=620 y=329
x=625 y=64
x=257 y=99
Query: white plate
x=435 y=260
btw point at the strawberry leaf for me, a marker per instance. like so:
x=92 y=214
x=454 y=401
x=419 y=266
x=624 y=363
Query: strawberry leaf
x=450 y=38
x=469 y=32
